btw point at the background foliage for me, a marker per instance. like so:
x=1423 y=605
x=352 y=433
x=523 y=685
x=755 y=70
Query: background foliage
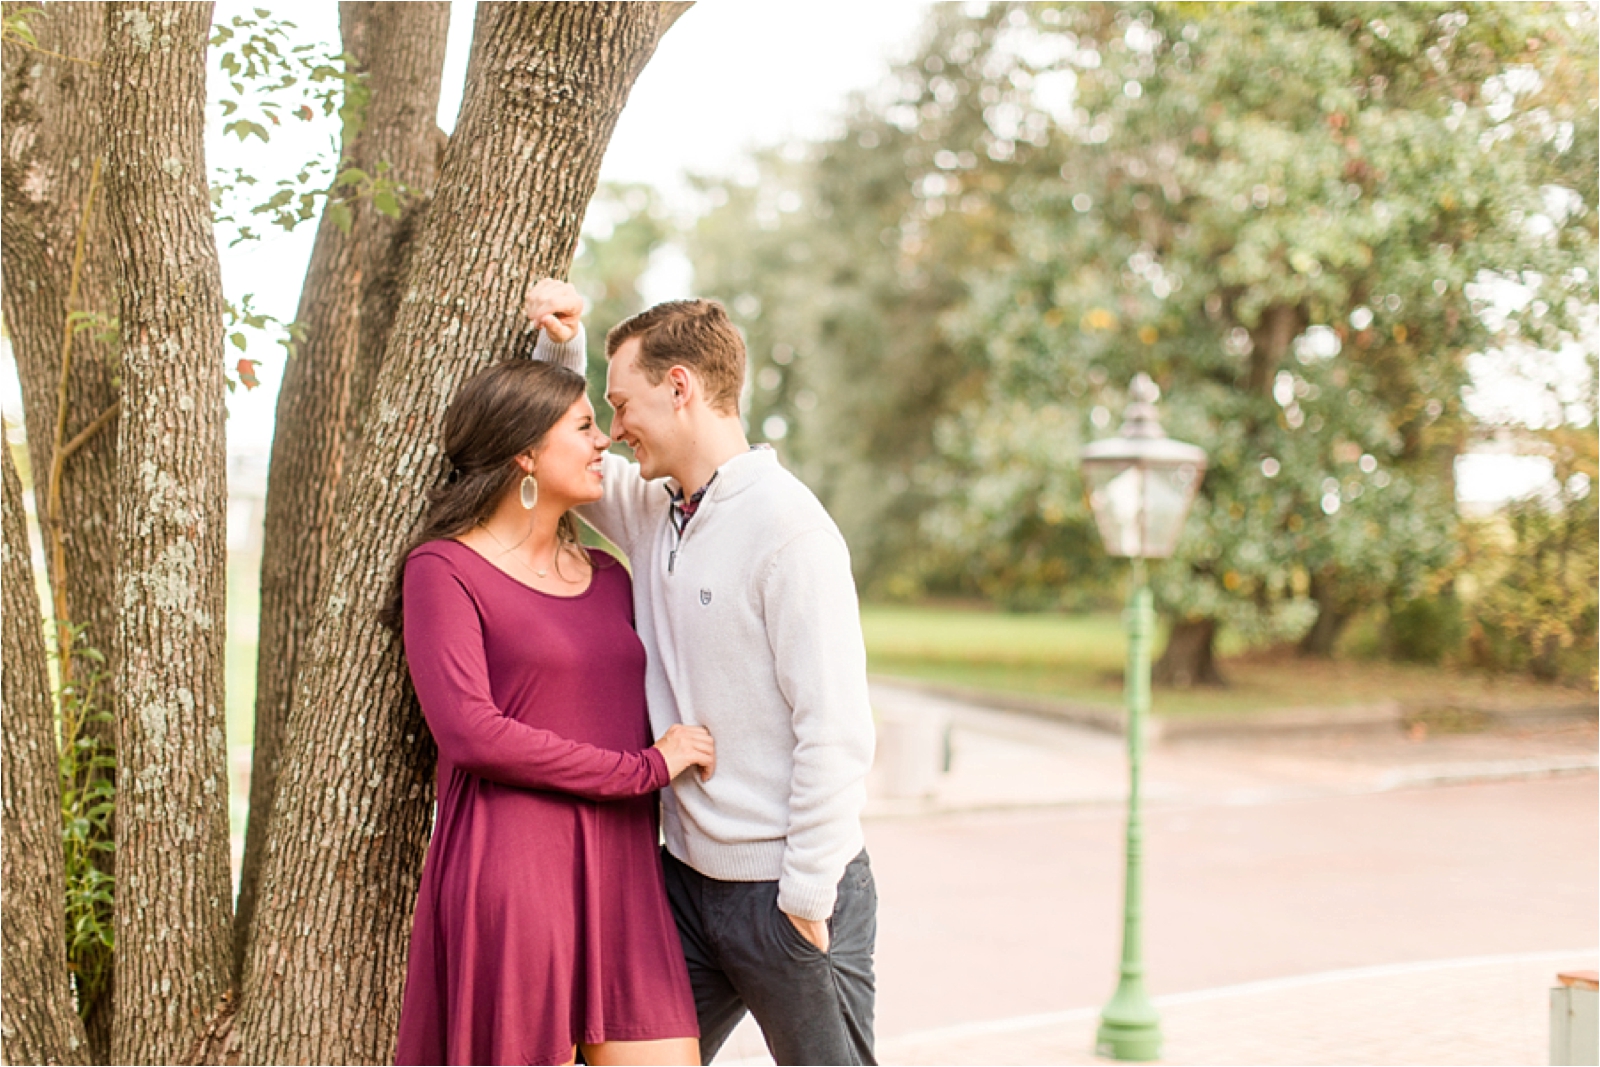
x=1305 y=221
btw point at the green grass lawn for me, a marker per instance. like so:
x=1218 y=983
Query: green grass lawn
x=1080 y=658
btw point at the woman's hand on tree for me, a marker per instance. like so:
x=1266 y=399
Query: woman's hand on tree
x=688 y=746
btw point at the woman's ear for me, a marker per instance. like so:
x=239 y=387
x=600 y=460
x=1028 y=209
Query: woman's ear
x=525 y=461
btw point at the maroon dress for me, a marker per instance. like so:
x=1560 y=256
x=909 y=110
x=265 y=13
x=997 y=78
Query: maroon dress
x=542 y=918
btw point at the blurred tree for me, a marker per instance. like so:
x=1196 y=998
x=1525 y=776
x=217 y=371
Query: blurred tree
x=1300 y=219
x=831 y=262
x=627 y=225
x=1531 y=582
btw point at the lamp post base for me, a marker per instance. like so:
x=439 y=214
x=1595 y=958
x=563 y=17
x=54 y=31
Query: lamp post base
x=1129 y=1030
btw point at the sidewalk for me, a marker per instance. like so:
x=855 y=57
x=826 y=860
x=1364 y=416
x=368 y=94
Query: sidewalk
x=1004 y=760
x=1271 y=855
x=1491 y=1010
x=1484 y=1011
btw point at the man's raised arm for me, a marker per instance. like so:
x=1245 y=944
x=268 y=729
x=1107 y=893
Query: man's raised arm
x=557 y=309
x=624 y=514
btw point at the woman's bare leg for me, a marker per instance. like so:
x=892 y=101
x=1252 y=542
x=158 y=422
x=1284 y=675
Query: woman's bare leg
x=683 y=1051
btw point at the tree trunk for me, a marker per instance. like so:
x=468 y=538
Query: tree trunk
x=1190 y=656
x=406 y=43
x=1333 y=615
x=52 y=136
x=545 y=85
x=40 y=1023
x=401 y=47
x=1270 y=342
x=174 y=896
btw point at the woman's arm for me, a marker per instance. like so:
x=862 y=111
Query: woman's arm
x=444 y=648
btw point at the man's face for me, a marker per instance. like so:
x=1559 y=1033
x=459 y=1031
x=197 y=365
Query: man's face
x=646 y=419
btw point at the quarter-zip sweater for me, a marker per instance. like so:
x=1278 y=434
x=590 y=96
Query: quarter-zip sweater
x=752 y=629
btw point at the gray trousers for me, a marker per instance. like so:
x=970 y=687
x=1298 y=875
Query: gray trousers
x=745 y=954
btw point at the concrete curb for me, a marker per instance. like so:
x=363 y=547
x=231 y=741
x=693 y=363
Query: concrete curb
x=1487 y=773
x=1391 y=714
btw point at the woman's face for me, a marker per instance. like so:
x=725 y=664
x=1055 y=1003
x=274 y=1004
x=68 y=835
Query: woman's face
x=568 y=466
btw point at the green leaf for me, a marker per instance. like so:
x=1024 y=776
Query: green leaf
x=17 y=26
x=342 y=218
x=274 y=202
x=351 y=176
x=245 y=128
x=238 y=341
x=385 y=202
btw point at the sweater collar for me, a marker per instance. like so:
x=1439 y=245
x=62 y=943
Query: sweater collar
x=738 y=473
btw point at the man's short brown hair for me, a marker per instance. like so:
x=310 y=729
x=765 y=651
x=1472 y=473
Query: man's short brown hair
x=696 y=334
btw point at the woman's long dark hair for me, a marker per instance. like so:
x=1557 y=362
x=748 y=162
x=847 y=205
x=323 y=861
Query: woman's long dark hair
x=499 y=414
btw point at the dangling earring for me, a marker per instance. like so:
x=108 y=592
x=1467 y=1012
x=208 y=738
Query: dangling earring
x=529 y=492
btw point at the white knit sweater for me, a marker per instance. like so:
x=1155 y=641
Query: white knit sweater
x=753 y=631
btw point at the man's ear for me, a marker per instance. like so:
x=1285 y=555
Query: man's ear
x=683 y=385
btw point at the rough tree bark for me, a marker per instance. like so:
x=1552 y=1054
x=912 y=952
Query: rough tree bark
x=407 y=49
x=344 y=307
x=40 y=1025
x=53 y=131
x=174 y=898
x=324 y=978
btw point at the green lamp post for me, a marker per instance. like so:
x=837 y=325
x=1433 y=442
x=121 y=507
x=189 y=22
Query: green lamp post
x=1141 y=484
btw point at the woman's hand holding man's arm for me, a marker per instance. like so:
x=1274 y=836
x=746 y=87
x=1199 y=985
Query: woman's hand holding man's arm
x=688 y=746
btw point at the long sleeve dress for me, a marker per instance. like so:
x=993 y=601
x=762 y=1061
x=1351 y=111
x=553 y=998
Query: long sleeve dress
x=542 y=919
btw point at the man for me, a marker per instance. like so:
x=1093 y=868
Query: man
x=744 y=600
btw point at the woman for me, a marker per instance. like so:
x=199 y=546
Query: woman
x=542 y=923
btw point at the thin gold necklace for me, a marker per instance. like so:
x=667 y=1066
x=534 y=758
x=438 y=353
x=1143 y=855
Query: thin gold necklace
x=507 y=551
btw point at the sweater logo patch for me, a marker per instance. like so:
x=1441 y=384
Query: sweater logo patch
x=705 y=596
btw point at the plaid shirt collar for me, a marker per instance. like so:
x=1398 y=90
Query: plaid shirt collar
x=683 y=510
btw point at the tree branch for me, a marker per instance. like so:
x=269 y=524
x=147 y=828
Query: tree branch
x=58 y=454
x=12 y=38
x=90 y=430
x=672 y=12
